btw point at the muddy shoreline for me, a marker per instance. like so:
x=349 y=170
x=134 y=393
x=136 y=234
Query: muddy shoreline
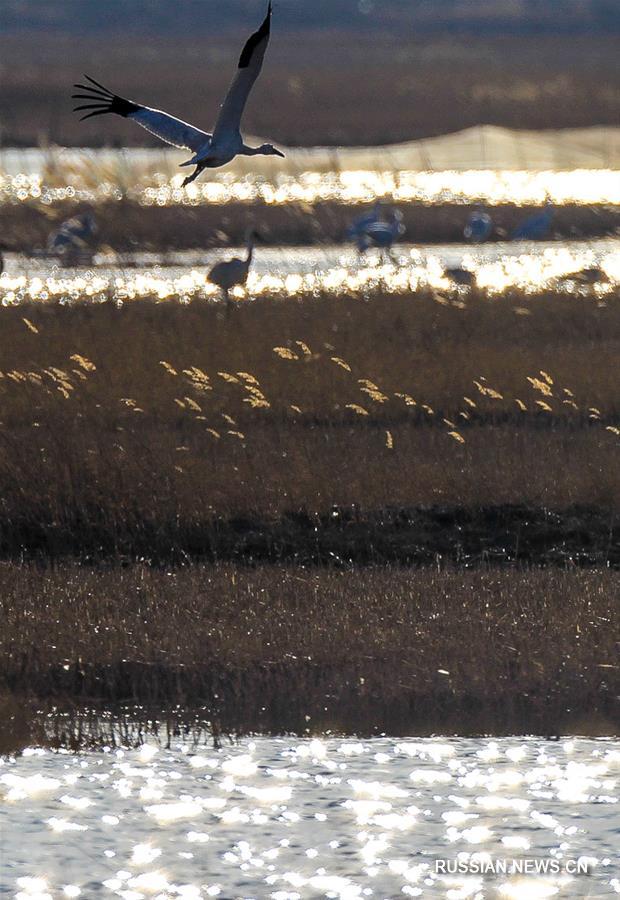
x=227 y=649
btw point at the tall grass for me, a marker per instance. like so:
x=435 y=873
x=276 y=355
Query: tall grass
x=293 y=649
x=328 y=430
x=144 y=426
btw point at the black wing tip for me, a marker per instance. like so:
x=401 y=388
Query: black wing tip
x=102 y=100
x=99 y=85
x=255 y=39
x=97 y=112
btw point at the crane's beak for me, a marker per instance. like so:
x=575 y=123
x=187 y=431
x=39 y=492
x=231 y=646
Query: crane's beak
x=278 y=153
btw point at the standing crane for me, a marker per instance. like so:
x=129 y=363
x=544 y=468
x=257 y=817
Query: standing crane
x=537 y=226
x=479 y=227
x=229 y=273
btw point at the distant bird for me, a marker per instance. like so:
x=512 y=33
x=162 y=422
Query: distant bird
x=210 y=150
x=592 y=275
x=358 y=226
x=72 y=241
x=381 y=233
x=535 y=227
x=460 y=275
x=231 y=272
x=479 y=227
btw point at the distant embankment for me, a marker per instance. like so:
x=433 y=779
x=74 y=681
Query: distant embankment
x=482 y=164
x=485 y=147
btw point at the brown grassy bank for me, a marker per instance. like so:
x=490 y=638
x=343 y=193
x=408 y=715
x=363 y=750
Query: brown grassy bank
x=417 y=424
x=279 y=649
x=126 y=226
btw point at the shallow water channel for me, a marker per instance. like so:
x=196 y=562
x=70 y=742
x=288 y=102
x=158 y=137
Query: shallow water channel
x=292 y=818
x=591 y=268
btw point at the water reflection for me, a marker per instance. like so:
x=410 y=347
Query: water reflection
x=589 y=268
x=157 y=188
x=290 y=818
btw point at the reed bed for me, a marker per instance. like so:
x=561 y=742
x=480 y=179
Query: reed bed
x=279 y=649
x=333 y=434
x=160 y=428
x=126 y=227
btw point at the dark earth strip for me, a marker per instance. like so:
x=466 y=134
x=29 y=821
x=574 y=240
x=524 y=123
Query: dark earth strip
x=127 y=227
x=473 y=537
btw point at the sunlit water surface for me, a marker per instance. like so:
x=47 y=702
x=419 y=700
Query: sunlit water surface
x=152 y=178
x=290 y=818
x=527 y=266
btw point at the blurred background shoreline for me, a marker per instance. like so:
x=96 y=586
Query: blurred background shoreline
x=356 y=80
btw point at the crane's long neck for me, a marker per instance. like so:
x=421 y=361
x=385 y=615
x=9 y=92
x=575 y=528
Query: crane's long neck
x=250 y=246
x=251 y=151
x=394 y=225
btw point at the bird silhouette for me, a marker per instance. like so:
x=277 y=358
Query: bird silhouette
x=379 y=232
x=72 y=241
x=358 y=226
x=210 y=150
x=229 y=273
x=460 y=275
x=535 y=227
x=479 y=227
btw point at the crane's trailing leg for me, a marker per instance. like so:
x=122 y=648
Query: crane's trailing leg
x=193 y=176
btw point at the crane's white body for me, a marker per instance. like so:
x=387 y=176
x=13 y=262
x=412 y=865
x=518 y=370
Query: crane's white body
x=359 y=226
x=73 y=234
x=209 y=150
x=72 y=243
x=479 y=227
x=537 y=226
x=374 y=231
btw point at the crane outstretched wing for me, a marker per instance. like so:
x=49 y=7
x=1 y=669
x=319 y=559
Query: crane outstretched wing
x=165 y=127
x=250 y=64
